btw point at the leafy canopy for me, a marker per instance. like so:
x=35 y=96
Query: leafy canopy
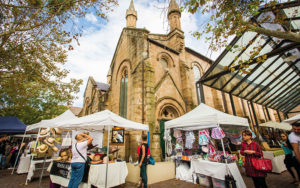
x=34 y=38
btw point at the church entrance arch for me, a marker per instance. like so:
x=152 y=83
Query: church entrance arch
x=167 y=112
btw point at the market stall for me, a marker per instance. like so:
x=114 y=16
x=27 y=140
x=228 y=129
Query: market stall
x=293 y=119
x=271 y=134
x=103 y=175
x=207 y=122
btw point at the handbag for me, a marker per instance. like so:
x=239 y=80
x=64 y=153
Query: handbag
x=262 y=164
x=67 y=140
x=86 y=166
x=151 y=160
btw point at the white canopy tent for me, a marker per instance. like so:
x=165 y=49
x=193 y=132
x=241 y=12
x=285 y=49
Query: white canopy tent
x=203 y=117
x=101 y=121
x=292 y=119
x=276 y=125
x=67 y=115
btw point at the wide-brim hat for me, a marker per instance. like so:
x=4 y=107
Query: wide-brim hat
x=42 y=148
x=54 y=149
x=44 y=132
x=58 y=139
x=49 y=141
x=56 y=131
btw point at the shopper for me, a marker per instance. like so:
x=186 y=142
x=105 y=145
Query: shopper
x=289 y=159
x=79 y=157
x=251 y=149
x=143 y=160
x=294 y=139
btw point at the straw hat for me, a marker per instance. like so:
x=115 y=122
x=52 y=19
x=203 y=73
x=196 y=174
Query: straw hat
x=49 y=141
x=56 y=131
x=42 y=148
x=58 y=140
x=54 y=149
x=45 y=132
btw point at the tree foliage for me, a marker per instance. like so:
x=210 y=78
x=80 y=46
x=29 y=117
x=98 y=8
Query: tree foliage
x=234 y=17
x=34 y=38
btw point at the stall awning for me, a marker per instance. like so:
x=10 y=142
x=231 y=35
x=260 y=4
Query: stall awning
x=203 y=117
x=100 y=121
x=274 y=83
x=11 y=124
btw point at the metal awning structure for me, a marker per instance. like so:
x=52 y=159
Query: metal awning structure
x=274 y=83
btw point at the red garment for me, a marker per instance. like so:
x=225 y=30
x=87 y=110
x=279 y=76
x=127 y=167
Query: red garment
x=148 y=153
x=250 y=171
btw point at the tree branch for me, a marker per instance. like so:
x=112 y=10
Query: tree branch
x=292 y=36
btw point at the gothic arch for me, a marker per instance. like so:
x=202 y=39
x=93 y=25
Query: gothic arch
x=167 y=57
x=195 y=63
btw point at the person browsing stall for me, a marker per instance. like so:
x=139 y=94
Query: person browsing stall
x=289 y=159
x=143 y=161
x=251 y=149
x=294 y=139
x=79 y=157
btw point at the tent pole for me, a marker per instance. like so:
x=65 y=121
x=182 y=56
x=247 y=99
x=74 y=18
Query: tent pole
x=12 y=172
x=107 y=155
x=31 y=157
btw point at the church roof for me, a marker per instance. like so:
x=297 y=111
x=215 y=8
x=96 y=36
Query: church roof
x=75 y=110
x=102 y=86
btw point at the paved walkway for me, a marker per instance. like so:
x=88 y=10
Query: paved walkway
x=17 y=181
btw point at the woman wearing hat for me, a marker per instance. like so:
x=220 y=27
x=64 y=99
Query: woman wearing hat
x=79 y=156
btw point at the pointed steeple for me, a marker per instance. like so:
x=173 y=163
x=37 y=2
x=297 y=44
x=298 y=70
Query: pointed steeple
x=174 y=15
x=173 y=7
x=131 y=15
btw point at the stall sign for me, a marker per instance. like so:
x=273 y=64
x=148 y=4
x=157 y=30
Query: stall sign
x=60 y=169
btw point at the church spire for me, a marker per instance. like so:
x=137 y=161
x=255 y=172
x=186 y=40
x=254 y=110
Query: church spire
x=131 y=15
x=174 y=15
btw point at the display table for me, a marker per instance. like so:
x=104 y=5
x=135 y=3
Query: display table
x=277 y=161
x=36 y=167
x=217 y=170
x=24 y=164
x=117 y=173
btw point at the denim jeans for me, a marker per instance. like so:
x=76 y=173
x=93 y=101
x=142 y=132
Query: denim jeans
x=77 y=172
x=143 y=174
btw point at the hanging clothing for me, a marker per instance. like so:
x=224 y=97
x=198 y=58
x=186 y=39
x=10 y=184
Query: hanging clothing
x=217 y=133
x=203 y=137
x=189 y=139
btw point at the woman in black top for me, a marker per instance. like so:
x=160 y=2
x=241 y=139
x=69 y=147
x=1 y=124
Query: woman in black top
x=143 y=160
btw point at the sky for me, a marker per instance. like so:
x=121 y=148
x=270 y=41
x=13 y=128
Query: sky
x=98 y=43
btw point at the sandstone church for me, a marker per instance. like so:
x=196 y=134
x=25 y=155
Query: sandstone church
x=152 y=79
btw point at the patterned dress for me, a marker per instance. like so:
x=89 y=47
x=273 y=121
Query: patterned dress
x=250 y=170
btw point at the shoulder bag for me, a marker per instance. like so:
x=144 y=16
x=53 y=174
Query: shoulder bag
x=86 y=166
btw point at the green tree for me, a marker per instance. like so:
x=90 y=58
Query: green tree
x=234 y=17
x=34 y=38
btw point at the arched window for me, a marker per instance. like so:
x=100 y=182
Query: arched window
x=123 y=94
x=197 y=76
x=164 y=63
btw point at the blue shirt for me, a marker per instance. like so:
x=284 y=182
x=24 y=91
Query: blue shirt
x=286 y=150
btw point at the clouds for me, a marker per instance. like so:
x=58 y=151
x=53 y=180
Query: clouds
x=91 y=18
x=97 y=46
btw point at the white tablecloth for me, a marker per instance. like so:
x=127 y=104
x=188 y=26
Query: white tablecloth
x=32 y=167
x=217 y=170
x=24 y=164
x=277 y=162
x=117 y=173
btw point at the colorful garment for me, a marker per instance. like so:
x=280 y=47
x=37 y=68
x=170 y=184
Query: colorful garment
x=189 y=139
x=217 y=133
x=203 y=138
x=250 y=170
